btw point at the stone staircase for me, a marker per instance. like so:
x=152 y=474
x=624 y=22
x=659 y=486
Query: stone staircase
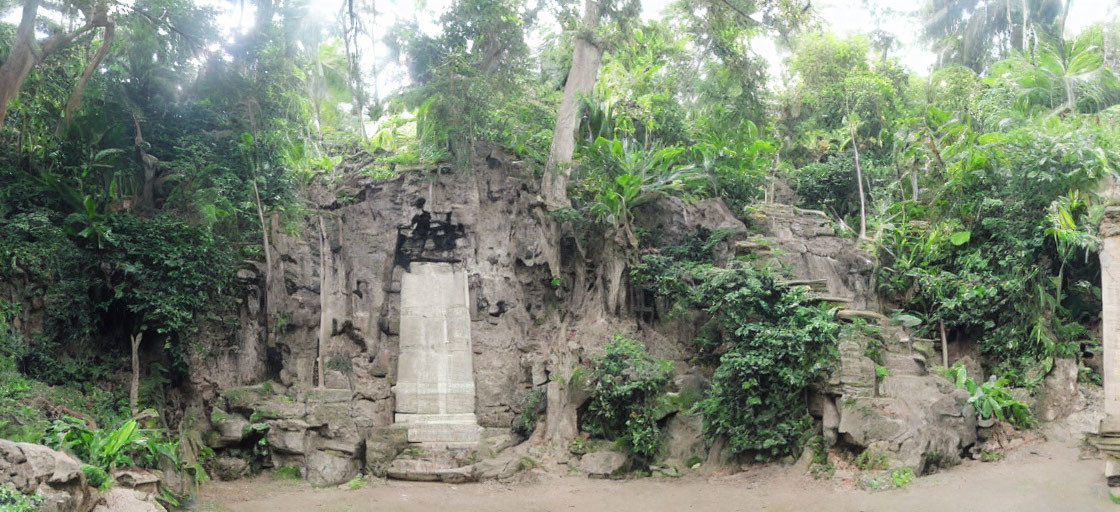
x=434 y=463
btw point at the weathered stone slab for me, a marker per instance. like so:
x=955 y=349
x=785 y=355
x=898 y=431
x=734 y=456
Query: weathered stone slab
x=435 y=390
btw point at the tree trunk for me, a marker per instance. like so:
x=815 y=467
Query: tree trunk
x=586 y=58
x=267 y=264
x=914 y=185
x=324 y=295
x=75 y=100
x=21 y=58
x=148 y=164
x=313 y=88
x=944 y=344
x=859 y=185
x=134 y=388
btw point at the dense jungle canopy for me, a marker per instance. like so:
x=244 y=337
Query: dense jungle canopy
x=149 y=147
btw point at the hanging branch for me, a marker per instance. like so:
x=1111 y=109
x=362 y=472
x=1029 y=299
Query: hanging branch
x=75 y=100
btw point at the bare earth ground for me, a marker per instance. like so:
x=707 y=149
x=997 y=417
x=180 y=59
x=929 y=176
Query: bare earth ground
x=1043 y=476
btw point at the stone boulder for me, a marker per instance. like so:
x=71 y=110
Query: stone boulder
x=684 y=438
x=329 y=468
x=1059 y=396
x=502 y=467
x=120 y=499
x=604 y=464
x=919 y=420
x=231 y=427
x=231 y=468
x=31 y=468
x=383 y=444
x=137 y=479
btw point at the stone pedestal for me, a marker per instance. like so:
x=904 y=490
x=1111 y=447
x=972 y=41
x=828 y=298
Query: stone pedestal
x=435 y=378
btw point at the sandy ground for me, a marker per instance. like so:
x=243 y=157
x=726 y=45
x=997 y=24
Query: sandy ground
x=1044 y=476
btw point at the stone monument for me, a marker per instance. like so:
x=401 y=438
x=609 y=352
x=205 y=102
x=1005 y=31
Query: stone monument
x=435 y=393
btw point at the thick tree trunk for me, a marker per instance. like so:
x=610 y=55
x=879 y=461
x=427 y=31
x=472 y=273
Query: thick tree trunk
x=75 y=100
x=586 y=59
x=134 y=387
x=21 y=58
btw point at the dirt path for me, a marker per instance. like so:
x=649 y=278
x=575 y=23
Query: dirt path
x=1037 y=477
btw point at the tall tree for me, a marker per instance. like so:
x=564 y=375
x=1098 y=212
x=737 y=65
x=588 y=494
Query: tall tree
x=976 y=33
x=27 y=51
x=587 y=56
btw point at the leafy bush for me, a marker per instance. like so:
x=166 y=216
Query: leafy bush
x=871 y=460
x=97 y=477
x=990 y=398
x=770 y=343
x=532 y=405
x=288 y=472
x=12 y=500
x=900 y=477
x=1004 y=256
x=627 y=385
x=97 y=447
x=127 y=445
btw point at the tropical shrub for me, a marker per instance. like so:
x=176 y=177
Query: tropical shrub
x=627 y=387
x=12 y=500
x=532 y=405
x=770 y=345
x=990 y=399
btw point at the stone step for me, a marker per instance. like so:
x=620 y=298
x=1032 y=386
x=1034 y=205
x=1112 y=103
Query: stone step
x=443 y=433
x=903 y=364
x=452 y=419
x=422 y=470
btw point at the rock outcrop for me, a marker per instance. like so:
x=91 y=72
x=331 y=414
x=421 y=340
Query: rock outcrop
x=57 y=477
x=895 y=406
x=807 y=242
x=539 y=302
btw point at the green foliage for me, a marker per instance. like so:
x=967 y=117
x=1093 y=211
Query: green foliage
x=627 y=384
x=532 y=406
x=287 y=472
x=12 y=500
x=822 y=471
x=837 y=85
x=991 y=398
x=100 y=448
x=900 y=477
x=770 y=343
x=992 y=260
x=130 y=444
x=870 y=460
x=623 y=175
x=97 y=477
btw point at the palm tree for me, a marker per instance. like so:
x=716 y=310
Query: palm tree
x=975 y=33
x=1063 y=75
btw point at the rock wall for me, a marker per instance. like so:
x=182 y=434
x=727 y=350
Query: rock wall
x=510 y=291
